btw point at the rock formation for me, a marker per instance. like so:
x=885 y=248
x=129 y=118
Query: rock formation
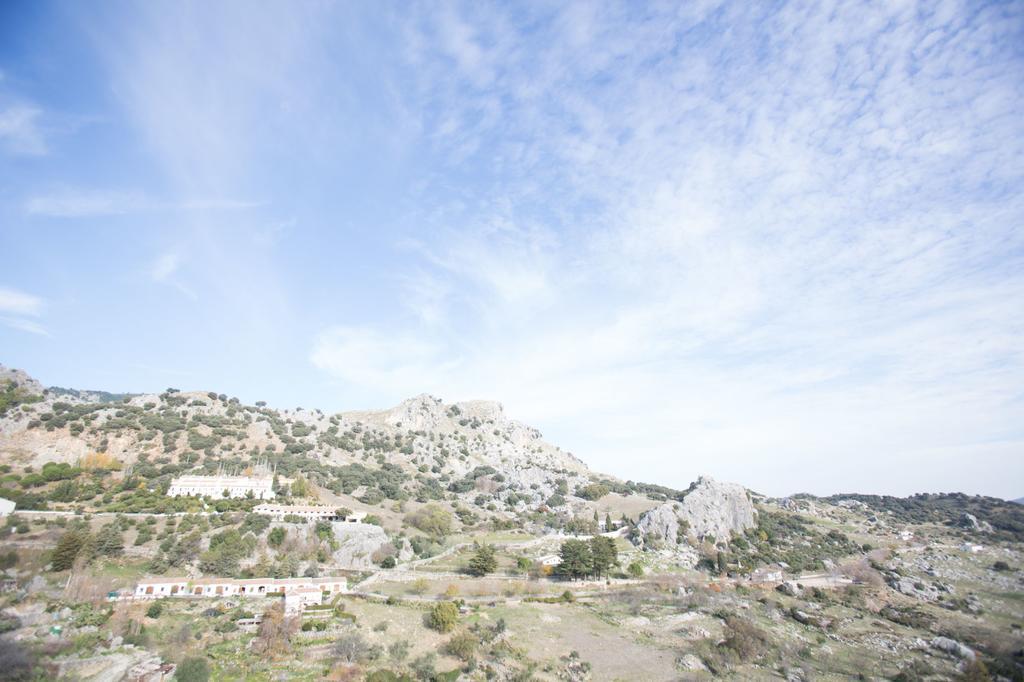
x=709 y=508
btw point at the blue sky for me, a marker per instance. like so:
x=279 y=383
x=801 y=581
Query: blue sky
x=778 y=243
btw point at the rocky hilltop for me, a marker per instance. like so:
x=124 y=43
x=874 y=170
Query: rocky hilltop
x=709 y=509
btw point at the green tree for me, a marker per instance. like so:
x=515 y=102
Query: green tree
x=69 y=546
x=483 y=561
x=577 y=561
x=110 y=540
x=276 y=536
x=300 y=488
x=194 y=669
x=636 y=569
x=603 y=555
x=443 y=616
x=431 y=519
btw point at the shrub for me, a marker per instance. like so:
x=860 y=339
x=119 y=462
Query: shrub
x=431 y=519
x=350 y=648
x=194 y=669
x=1000 y=566
x=276 y=537
x=155 y=609
x=15 y=661
x=462 y=646
x=594 y=491
x=399 y=651
x=744 y=638
x=443 y=616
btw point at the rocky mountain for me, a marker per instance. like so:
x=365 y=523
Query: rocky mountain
x=420 y=450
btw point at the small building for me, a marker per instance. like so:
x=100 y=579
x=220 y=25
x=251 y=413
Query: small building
x=549 y=560
x=218 y=487
x=6 y=507
x=300 y=598
x=766 y=574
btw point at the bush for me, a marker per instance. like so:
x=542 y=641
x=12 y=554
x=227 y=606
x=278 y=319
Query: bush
x=744 y=638
x=15 y=661
x=431 y=519
x=388 y=562
x=276 y=537
x=155 y=609
x=194 y=669
x=594 y=491
x=443 y=616
x=1000 y=566
x=350 y=648
x=462 y=646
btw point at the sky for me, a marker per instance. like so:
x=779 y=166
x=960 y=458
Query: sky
x=776 y=243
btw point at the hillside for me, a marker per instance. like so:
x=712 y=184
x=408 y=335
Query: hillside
x=554 y=571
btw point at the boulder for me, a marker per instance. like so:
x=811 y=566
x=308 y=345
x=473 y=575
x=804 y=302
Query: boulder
x=953 y=647
x=789 y=588
x=971 y=522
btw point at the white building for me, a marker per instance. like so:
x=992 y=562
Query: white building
x=153 y=588
x=301 y=597
x=261 y=487
x=550 y=560
x=309 y=512
x=6 y=507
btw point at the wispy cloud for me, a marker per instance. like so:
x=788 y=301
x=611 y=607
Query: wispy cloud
x=17 y=310
x=164 y=271
x=91 y=203
x=21 y=129
x=783 y=243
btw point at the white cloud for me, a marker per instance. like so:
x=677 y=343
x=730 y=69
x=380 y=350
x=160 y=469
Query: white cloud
x=17 y=302
x=20 y=130
x=21 y=324
x=798 y=267
x=165 y=266
x=80 y=203
x=17 y=309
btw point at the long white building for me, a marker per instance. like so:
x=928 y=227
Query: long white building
x=261 y=487
x=154 y=588
x=311 y=512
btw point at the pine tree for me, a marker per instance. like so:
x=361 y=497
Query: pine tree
x=110 y=541
x=484 y=561
x=577 y=561
x=603 y=555
x=68 y=548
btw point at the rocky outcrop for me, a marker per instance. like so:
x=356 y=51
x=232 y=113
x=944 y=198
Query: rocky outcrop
x=709 y=508
x=971 y=522
x=953 y=648
x=357 y=543
x=21 y=380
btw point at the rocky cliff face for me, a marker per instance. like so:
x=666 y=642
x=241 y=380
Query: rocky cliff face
x=709 y=508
